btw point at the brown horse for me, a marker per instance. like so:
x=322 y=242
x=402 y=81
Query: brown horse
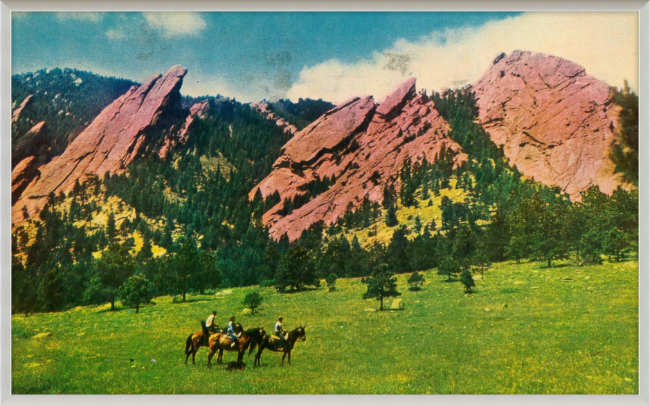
x=248 y=339
x=273 y=343
x=198 y=340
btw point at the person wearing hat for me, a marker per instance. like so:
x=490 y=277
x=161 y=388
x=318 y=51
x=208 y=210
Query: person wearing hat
x=231 y=332
x=279 y=331
x=209 y=323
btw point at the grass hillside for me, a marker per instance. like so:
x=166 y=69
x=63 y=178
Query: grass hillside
x=380 y=232
x=526 y=329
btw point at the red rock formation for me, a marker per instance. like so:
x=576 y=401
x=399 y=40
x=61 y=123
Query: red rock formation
x=28 y=143
x=364 y=146
x=20 y=177
x=197 y=110
x=553 y=120
x=108 y=144
x=263 y=107
x=17 y=112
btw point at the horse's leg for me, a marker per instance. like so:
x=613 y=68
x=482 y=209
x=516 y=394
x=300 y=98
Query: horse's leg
x=210 y=355
x=195 y=349
x=257 y=357
x=289 y=357
x=240 y=356
x=220 y=357
x=284 y=354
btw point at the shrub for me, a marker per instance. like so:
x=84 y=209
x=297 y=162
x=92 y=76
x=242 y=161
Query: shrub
x=252 y=300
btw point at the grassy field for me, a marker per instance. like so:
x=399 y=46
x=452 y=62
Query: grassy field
x=527 y=329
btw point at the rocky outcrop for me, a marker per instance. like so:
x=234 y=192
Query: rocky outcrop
x=197 y=110
x=555 y=123
x=109 y=143
x=22 y=173
x=29 y=143
x=15 y=115
x=363 y=146
x=263 y=107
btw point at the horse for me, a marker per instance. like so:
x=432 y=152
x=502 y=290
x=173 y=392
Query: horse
x=248 y=339
x=197 y=340
x=274 y=344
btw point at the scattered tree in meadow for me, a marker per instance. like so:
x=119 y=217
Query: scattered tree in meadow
x=467 y=280
x=415 y=281
x=381 y=284
x=449 y=267
x=135 y=291
x=331 y=282
x=252 y=300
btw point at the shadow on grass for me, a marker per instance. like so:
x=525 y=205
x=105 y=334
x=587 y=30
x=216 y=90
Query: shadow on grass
x=192 y=300
x=298 y=290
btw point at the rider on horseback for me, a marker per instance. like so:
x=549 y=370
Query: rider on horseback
x=280 y=332
x=209 y=323
x=231 y=332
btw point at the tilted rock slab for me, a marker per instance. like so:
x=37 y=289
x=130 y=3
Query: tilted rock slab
x=555 y=122
x=15 y=115
x=364 y=146
x=108 y=144
x=22 y=173
x=197 y=110
x=286 y=127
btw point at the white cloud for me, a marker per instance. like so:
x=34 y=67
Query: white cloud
x=175 y=24
x=606 y=44
x=115 y=34
x=80 y=16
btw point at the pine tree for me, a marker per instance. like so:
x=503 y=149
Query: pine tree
x=391 y=216
x=135 y=291
x=415 y=281
x=381 y=284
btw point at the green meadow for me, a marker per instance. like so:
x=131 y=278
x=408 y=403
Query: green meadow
x=526 y=329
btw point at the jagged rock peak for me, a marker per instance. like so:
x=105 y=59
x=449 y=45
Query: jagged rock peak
x=396 y=100
x=555 y=122
x=362 y=149
x=109 y=143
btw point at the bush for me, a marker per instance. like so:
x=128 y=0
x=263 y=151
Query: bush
x=252 y=300
x=468 y=280
x=331 y=282
x=415 y=281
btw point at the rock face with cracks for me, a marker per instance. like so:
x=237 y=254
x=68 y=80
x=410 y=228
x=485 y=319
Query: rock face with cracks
x=363 y=146
x=556 y=123
x=109 y=143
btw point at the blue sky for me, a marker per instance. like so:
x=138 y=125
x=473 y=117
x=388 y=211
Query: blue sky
x=252 y=56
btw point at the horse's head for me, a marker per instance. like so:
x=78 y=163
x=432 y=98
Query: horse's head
x=238 y=328
x=301 y=333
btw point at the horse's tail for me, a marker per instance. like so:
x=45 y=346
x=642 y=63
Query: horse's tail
x=188 y=344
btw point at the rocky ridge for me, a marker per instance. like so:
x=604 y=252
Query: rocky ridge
x=363 y=145
x=556 y=123
x=286 y=127
x=109 y=143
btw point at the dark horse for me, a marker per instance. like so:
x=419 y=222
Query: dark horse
x=273 y=343
x=248 y=339
x=198 y=340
